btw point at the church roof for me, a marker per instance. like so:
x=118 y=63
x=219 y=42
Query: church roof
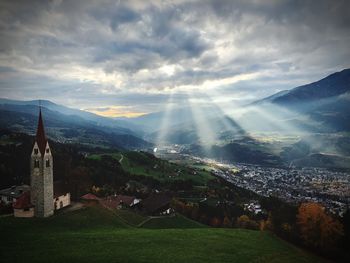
x=40 y=135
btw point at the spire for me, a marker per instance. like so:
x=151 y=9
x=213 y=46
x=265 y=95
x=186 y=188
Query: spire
x=40 y=134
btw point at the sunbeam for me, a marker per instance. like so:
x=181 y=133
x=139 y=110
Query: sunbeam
x=165 y=123
x=204 y=130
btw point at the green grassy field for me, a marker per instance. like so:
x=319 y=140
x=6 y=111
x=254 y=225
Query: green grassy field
x=96 y=235
x=115 y=156
x=177 y=221
x=130 y=217
x=142 y=164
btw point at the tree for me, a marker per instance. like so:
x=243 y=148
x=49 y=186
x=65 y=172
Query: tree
x=195 y=212
x=79 y=182
x=318 y=229
x=188 y=209
x=245 y=222
x=242 y=221
x=346 y=224
x=226 y=222
x=203 y=219
x=215 y=222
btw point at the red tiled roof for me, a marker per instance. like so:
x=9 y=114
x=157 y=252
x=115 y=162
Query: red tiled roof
x=23 y=201
x=40 y=135
x=90 y=197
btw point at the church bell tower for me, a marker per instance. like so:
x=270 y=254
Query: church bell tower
x=41 y=174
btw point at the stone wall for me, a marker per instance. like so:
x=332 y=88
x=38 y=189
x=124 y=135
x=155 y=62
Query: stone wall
x=62 y=201
x=24 y=212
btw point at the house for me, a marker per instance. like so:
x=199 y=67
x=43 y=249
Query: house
x=10 y=195
x=120 y=201
x=156 y=204
x=61 y=195
x=253 y=207
x=20 y=198
x=90 y=199
x=22 y=207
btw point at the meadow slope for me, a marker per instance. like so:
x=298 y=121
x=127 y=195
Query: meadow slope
x=97 y=235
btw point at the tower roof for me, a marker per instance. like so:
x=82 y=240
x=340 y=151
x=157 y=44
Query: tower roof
x=40 y=134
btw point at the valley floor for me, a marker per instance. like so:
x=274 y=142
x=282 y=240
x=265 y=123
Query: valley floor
x=97 y=235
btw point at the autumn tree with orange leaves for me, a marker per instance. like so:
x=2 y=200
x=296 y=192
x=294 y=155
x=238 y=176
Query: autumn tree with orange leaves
x=317 y=228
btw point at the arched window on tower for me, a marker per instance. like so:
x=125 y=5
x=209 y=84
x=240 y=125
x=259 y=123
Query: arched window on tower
x=47 y=163
x=36 y=163
x=47 y=150
x=36 y=151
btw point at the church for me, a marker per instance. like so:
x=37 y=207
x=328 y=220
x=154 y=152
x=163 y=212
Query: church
x=44 y=196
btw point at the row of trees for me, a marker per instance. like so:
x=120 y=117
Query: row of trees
x=212 y=217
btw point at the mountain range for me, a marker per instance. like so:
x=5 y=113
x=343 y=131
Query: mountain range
x=331 y=86
x=326 y=102
x=68 y=125
x=319 y=107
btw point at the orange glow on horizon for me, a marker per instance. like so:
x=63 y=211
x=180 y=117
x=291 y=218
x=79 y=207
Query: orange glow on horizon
x=115 y=111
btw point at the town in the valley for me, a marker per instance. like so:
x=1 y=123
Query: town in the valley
x=291 y=184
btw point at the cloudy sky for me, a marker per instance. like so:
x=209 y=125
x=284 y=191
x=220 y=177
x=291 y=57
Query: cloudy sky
x=125 y=58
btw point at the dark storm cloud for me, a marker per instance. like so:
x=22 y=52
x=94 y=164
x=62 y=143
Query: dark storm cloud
x=135 y=52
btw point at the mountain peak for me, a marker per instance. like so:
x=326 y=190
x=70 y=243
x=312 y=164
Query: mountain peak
x=333 y=85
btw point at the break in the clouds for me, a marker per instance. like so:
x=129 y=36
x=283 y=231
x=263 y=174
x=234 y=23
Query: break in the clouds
x=128 y=56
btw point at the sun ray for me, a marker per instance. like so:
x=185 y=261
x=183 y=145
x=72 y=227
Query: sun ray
x=206 y=136
x=163 y=131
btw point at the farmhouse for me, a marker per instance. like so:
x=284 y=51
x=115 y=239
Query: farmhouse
x=90 y=199
x=22 y=207
x=10 y=195
x=119 y=201
x=156 y=204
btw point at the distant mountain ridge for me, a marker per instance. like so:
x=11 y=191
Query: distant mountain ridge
x=96 y=119
x=66 y=124
x=326 y=102
x=322 y=107
x=333 y=85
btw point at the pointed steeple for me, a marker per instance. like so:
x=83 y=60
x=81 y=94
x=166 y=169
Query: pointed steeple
x=40 y=134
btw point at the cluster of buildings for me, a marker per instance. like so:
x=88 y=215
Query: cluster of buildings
x=157 y=204
x=254 y=207
x=330 y=188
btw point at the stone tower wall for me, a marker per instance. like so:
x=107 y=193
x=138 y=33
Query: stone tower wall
x=48 y=183
x=42 y=183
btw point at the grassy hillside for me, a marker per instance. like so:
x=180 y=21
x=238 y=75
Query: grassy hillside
x=148 y=165
x=96 y=235
x=177 y=221
x=145 y=164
